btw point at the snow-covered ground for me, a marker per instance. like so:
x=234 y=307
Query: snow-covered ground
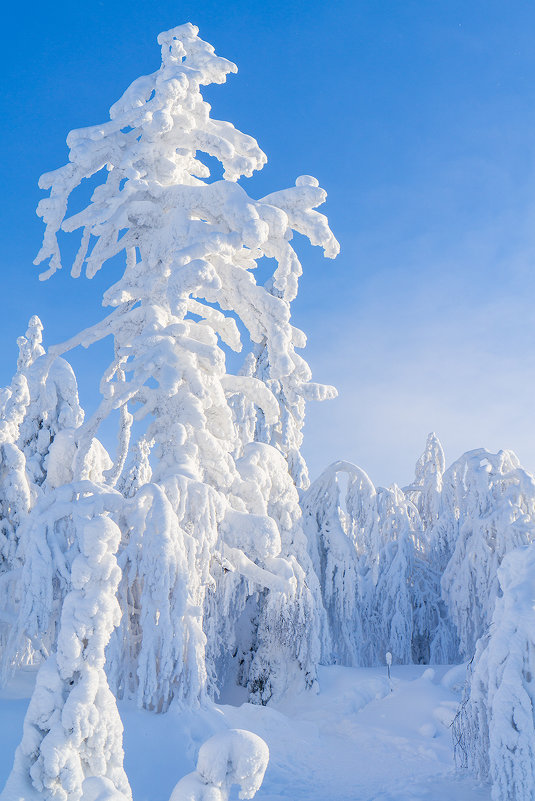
x=354 y=741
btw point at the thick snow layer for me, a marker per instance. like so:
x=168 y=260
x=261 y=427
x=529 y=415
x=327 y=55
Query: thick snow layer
x=231 y=757
x=496 y=727
x=190 y=243
x=354 y=741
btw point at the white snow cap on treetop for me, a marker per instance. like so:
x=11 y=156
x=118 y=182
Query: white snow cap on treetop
x=173 y=51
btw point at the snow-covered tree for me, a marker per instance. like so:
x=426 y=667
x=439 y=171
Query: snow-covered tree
x=426 y=489
x=291 y=391
x=434 y=638
x=190 y=246
x=362 y=544
x=41 y=403
x=15 y=497
x=72 y=730
x=15 y=488
x=53 y=406
x=497 y=723
x=285 y=645
x=379 y=587
x=232 y=757
x=41 y=415
x=490 y=510
x=38 y=407
x=336 y=558
x=390 y=624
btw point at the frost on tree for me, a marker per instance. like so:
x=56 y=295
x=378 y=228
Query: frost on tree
x=277 y=644
x=191 y=245
x=490 y=509
x=15 y=497
x=292 y=391
x=53 y=409
x=434 y=638
x=391 y=614
x=72 y=730
x=379 y=587
x=40 y=406
x=497 y=724
x=425 y=491
x=15 y=490
x=407 y=609
x=362 y=545
x=336 y=558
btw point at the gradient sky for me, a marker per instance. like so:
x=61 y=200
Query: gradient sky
x=419 y=120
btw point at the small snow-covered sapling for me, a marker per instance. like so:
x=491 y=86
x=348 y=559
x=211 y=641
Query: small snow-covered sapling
x=230 y=757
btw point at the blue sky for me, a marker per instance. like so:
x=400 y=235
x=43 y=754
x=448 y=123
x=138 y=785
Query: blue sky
x=419 y=120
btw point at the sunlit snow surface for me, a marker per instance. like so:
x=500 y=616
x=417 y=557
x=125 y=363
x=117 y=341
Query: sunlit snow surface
x=355 y=741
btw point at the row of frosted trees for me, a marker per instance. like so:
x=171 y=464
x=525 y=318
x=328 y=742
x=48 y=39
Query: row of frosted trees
x=415 y=571
x=197 y=555
x=440 y=572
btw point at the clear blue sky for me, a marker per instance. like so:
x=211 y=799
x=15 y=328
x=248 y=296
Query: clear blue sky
x=419 y=120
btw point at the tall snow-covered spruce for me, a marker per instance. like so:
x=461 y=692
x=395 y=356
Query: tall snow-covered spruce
x=191 y=515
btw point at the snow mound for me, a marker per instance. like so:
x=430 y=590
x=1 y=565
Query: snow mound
x=229 y=757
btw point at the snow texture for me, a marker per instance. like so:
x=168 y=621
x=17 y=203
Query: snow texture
x=487 y=510
x=379 y=587
x=72 y=729
x=355 y=739
x=230 y=757
x=198 y=560
x=39 y=410
x=191 y=246
x=496 y=726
